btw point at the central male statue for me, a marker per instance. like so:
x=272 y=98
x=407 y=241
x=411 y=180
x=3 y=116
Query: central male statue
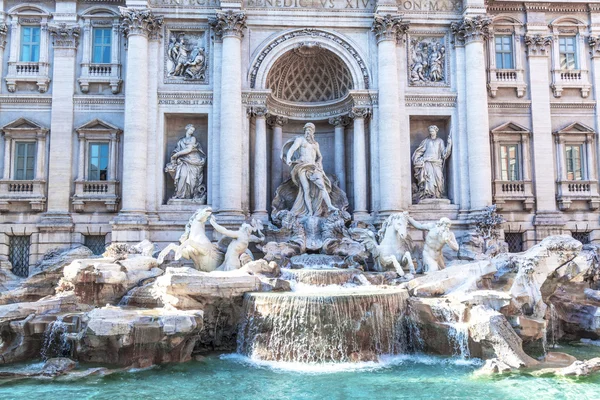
x=307 y=173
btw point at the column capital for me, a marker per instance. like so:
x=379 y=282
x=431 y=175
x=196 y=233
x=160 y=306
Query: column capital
x=360 y=112
x=276 y=120
x=471 y=29
x=65 y=36
x=389 y=27
x=140 y=22
x=537 y=45
x=257 y=111
x=229 y=23
x=3 y=33
x=594 y=42
x=340 y=120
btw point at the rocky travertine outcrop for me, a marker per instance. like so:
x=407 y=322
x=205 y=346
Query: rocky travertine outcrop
x=44 y=277
x=105 y=281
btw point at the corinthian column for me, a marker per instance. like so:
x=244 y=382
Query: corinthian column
x=340 y=149
x=60 y=178
x=230 y=25
x=259 y=184
x=137 y=25
x=277 y=122
x=388 y=29
x=359 y=162
x=472 y=32
x=3 y=33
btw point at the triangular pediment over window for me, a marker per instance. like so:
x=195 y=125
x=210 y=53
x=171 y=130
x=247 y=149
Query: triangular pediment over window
x=575 y=127
x=97 y=125
x=510 y=127
x=23 y=124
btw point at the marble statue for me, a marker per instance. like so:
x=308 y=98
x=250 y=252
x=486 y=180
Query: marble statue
x=436 y=62
x=438 y=235
x=187 y=62
x=427 y=61
x=239 y=245
x=428 y=162
x=187 y=168
x=195 y=245
x=393 y=250
x=314 y=187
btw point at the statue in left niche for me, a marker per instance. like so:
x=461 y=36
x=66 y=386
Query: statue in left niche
x=187 y=168
x=188 y=62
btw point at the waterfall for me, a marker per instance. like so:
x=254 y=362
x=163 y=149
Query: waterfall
x=554 y=327
x=459 y=338
x=415 y=339
x=341 y=326
x=56 y=341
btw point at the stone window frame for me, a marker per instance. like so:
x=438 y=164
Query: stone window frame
x=23 y=191
x=506 y=78
x=586 y=189
x=576 y=78
x=22 y=71
x=520 y=190
x=96 y=191
x=107 y=73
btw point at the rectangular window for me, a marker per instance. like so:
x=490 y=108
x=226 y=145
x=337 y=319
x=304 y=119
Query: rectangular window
x=515 y=242
x=504 y=52
x=98 y=162
x=567 y=50
x=24 y=161
x=18 y=254
x=30 y=43
x=96 y=243
x=102 y=44
x=583 y=237
x=573 y=153
x=509 y=160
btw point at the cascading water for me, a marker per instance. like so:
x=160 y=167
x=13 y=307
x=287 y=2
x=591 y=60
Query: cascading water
x=339 y=326
x=56 y=340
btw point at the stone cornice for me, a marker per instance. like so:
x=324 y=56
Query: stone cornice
x=471 y=28
x=65 y=36
x=140 y=22
x=536 y=6
x=389 y=27
x=509 y=104
x=228 y=23
x=537 y=45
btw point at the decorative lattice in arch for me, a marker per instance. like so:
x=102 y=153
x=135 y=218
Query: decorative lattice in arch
x=309 y=74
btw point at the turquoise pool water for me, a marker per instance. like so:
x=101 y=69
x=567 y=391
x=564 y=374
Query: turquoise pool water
x=234 y=377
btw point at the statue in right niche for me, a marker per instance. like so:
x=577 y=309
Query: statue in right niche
x=428 y=163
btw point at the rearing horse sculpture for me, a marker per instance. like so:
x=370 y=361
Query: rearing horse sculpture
x=194 y=245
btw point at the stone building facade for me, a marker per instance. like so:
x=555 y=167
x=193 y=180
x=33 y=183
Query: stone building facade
x=95 y=95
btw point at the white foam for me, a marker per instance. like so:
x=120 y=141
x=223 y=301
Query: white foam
x=329 y=368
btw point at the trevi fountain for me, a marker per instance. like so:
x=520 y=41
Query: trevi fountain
x=310 y=305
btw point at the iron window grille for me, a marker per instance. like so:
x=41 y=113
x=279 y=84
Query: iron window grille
x=96 y=243
x=515 y=242
x=19 y=255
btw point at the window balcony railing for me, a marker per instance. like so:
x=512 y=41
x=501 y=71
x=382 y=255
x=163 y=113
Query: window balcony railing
x=577 y=191
x=513 y=191
x=88 y=192
x=506 y=78
x=36 y=72
x=100 y=73
x=570 y=79
x=13 y=193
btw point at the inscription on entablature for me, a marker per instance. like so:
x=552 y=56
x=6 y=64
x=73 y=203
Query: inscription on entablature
x=323 y=4
x=185 y=3
x=431 y=5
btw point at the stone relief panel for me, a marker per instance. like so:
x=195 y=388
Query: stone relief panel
x=186 y=55
x=427 y=61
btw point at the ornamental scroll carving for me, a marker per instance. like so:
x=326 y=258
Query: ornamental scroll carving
x=64 y=35
x=389 y=27
x=139 y=22
x=427 y=62
x=228 y=23
x=186 y=57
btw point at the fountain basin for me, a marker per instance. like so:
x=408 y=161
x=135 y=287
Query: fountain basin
x=327 y=325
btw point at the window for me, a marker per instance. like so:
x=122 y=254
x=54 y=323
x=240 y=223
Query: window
x=573 y=153
x=583 y=237
x=98 y=166
x=504 y=52
x=514 y=241
x=567 y=51
x=509 y=159
x=18 y=249
x=96 y=243
x=30 y=44
x=102 y=45
x=25 y=161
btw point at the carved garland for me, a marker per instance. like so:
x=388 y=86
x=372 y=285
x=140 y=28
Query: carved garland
x=311 y=32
